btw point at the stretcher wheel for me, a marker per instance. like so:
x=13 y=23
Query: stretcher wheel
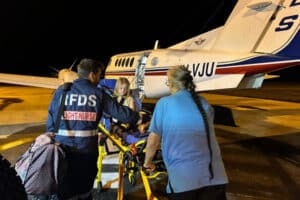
x=132 y=178
x=99 y=187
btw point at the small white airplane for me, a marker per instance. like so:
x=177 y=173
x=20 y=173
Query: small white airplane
x=259 y=37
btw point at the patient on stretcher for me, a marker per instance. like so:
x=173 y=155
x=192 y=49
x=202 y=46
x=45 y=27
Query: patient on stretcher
x=130 y=136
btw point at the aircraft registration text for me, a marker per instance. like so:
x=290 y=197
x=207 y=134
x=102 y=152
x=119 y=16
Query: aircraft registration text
x=205 y=69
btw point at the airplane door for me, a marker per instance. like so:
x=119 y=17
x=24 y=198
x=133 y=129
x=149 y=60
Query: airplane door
x=140 y=73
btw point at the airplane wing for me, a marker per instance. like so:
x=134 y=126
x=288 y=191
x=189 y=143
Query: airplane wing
x=36 y=81
x=64 y=75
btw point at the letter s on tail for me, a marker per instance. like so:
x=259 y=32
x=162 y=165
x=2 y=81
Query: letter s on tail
x=283 y=36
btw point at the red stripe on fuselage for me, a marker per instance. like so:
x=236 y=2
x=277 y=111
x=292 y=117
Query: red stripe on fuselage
x=254 y=69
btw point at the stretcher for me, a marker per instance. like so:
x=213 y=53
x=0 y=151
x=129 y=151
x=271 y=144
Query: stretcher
x=131 y=158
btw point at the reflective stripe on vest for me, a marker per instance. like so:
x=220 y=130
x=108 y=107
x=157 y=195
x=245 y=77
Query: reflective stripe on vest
x=78 y=133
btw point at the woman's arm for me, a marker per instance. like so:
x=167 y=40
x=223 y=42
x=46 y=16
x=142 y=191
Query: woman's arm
x=153 y=143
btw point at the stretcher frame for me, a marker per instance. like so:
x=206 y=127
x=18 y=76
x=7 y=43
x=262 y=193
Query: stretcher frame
x=124 y=151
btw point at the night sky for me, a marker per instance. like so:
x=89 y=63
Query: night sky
x=37 y=35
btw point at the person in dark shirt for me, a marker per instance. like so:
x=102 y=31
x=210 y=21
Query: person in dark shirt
x=84 y=105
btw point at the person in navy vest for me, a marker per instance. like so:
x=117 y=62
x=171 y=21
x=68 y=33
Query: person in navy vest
x=84 y=106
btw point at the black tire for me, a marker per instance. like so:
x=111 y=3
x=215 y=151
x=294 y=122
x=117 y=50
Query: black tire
x=11 y=187
x=99 y=187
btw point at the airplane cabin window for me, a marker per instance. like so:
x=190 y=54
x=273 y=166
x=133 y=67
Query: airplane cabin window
x=131 y=61
x=127 y=62
x=123 y=62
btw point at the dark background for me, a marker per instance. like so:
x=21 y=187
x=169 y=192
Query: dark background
x=37 y=36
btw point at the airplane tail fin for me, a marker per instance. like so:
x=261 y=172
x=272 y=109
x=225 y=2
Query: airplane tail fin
x=283 y=35
x=262 y=26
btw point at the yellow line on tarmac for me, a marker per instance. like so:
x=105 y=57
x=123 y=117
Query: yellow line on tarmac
x=15 y=143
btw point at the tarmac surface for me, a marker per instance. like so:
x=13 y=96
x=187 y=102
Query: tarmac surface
x=258 y=131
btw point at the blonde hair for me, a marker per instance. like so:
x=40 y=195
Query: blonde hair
x=122 y=81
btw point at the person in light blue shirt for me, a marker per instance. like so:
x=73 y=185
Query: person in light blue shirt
x=182 y=126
